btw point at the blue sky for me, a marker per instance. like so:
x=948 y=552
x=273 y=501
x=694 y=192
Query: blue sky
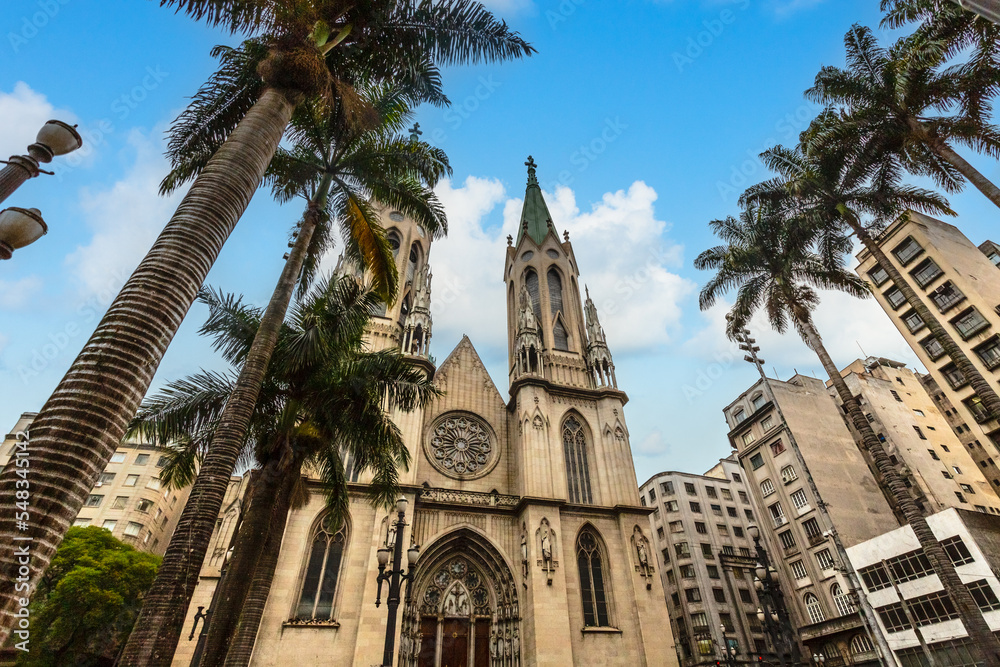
x=645 y=118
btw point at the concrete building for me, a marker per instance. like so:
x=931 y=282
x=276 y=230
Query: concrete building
x=918 y=438
x=961 y=283
x=895 y=573
x=813 y=487
x=128 y=499
x=534 y=547
x=699 y=529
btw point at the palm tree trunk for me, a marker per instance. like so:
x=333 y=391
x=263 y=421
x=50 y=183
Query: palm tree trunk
x=82 y=423
x=984 y=185
x=981 y=386
x=985 y=646
x=161 y=620
x=244 y=635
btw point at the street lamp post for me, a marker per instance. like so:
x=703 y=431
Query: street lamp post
x=819 y=658
x=773 y=612
x=395 y=578
x=728 y=652
x=55 y=138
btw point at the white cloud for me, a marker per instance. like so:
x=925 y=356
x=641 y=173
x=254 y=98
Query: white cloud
x=15 y=293
x=125 y=219
x=24 y=111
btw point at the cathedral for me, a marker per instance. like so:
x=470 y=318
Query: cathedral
x=534 y=549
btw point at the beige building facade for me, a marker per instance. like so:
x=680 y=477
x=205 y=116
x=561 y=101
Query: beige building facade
x=534 y=547
x=128 y=499
x=699 y=528
x=960 y=283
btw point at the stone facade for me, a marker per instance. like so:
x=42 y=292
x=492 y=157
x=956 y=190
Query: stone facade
x=534 y=547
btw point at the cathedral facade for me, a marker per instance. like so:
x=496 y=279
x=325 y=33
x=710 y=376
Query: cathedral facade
x=534 y=548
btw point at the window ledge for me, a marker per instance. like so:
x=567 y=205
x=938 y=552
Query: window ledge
x=309 y=623
x=601 y=630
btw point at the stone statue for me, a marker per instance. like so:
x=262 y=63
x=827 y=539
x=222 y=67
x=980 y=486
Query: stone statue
x=526 y=311
x=457 y=603
x=516 y=645
x=494 y=645
x=506 y=644
x=546 y=546
x=390 y=537
x=643 y=555
x=524 y=555
x=416 y=645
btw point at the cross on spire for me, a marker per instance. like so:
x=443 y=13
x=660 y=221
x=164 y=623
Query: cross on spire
x=415 y=132
x=530 y=164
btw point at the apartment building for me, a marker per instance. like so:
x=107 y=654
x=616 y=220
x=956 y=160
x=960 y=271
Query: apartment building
x=127 y=499
x=810 y=482
x=917 y=436
x=896 y=574
x=699 y=527
x=960 y=282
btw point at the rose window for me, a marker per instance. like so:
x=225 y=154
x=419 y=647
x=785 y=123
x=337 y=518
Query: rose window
x=462 y=446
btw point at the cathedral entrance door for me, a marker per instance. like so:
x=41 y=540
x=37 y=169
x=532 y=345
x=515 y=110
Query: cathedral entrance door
x=455 y=643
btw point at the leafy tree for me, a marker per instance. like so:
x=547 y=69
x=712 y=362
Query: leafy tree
x=88 y=601
x=314 y=48
x=769 y=261
x=338 y=165
x=323 y=396
x=900 y=107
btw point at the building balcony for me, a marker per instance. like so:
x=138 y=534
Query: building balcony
x=816 y=540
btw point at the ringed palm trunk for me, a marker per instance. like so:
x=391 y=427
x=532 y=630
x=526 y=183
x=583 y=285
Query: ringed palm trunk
x=981 y=386
x=985 y=646
x=252 y=609
x=160 y=623
x=83 y=421
x=983 y=184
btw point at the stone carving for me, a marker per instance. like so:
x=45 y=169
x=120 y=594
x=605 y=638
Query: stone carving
x=524 y=553
x=469 y=497
x=390 y=536
x=526 y=312
x=537 y=422
x=546 y=536
x=457 y=602
x=641 y=547
x=462 y=446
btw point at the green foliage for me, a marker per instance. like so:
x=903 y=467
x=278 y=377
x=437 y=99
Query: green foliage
x=85 y=606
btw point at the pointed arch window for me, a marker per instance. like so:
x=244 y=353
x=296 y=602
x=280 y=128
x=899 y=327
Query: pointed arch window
x=319 y=585
x=531 y=282
x=394 y=242
x=414 y=260
x=404 y=309
x=593 y=576
x=560 y=339
x=577 y=466
x=814 y=608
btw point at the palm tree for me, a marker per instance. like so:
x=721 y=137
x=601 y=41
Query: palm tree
x=830 y=188
x=323 y=397
x=768 y=260
x=338 y=166
x=954 y=25
x=315 y=48
x=901 y=107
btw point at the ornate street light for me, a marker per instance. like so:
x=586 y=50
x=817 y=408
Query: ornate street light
x=772 y=614
x=819 y=658
x=19 y=227
x=395 y=578
x=728 y=652
x=55 y=138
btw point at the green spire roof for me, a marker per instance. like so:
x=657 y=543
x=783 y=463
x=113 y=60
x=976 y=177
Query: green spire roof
x=535 y=218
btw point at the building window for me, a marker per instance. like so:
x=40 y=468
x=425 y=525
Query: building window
x=824 y=559
x=933 y=348
x=895 y=395
x=736 y=477
x=947 y=296
x=737 y=531
x=989 y=352
x=106 y=478
x=934 y=455
x=675 y=527
x=800 y=500
x=756 y=461
x=652 y=495
x=814 y=608
x=749 y=515
x=767 y=423
x=984 y=595
x=745 y=596
x=932 y=608
x=748 y=437
x=969 y=323
x=711 y=492
x=726 y=494
x=788 y=474
x=968 y=489
x=153 y=483
x=706 y=551
x=109 y=524
x=723 y=530
x=860 y=644
x=894 y=297
x=671 y=506
x=695 y=507
x=893 y=617
x=957 y=551
x=688 y=572
x=118 y=457
x=692 y=594
x=875 y=577
x=758 y=401
x=953 y=376
x=777 y=514
x=993 y=257
x=907 y=250
x=706 y=646
x=717 y=510
x=978 y=410
x=841 y=601
x=162 y=461
x=119 y=503
x=143 y=505
x=913 y=321
x=787 y=539
x=920 y=434
x=878 y=276
x=577 y=467
x=142 y=459
x=798 y=570
x=812 y=529
x=740 y=415
x=133 y=529
x=667 y=488
x=744 y=498
x=731 y=511
x=689 y=488
x=777 y=447
x=766 y=487
x=925 y=273
x=719 y=595
x=958 y=471
x=94 y=500
x=319 y=586
x=682 y=550
x=700 y=528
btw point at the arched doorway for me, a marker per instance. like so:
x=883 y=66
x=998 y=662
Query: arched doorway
x=463 y=609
